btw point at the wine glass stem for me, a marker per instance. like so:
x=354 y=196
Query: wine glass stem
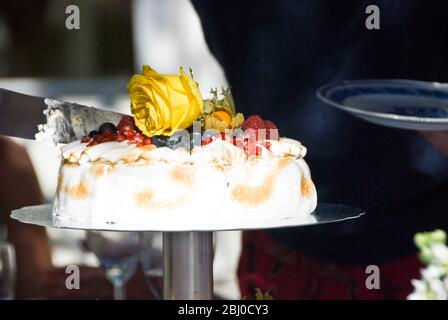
x=119 y=290
x=156 y=292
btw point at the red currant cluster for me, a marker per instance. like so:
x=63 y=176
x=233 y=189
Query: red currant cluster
x=126 y=130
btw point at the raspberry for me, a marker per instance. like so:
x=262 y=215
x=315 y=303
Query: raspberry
x=269 y=125
x=86 y=139
x=253 y=122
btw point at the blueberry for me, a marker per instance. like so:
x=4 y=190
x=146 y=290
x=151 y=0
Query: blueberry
x=93 y=133
x=175 y=141
x=159 y=141
x=179 y=140
x=107 y=126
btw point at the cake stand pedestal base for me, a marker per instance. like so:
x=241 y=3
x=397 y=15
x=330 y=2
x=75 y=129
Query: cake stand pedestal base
x=188 y=265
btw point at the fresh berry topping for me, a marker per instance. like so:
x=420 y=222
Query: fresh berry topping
x=107 y=126
x=269 y=125
x=159 y=141
x=93 y=133
x=173 y=141
x=106 y=138
x=107 y=132
x=126 y=123
x=253 y=122
x=147 y=141
x=138 y=138
x=207 y=141
x=120 y=137
x=129 y=134
x=86 y=139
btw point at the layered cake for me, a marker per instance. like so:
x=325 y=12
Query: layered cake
x=181 y=160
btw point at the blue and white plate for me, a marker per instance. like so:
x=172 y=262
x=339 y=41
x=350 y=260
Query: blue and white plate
x=404 y=104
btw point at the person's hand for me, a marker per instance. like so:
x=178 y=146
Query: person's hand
x=438 y=139
x=93 y=285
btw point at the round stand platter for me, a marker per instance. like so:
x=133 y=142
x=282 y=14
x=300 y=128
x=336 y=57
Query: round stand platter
x=325 y=213
x=188 y=250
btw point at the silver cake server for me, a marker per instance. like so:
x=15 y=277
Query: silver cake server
x=46 y=119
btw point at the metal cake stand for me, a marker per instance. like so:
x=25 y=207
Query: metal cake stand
x=188 y=251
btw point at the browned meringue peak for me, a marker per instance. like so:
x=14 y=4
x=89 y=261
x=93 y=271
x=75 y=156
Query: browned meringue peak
x=165 y=154
x=72 y=151
x=286 y=147
x=218 y=152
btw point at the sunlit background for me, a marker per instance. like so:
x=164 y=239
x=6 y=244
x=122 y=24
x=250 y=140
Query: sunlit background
x=92 y=66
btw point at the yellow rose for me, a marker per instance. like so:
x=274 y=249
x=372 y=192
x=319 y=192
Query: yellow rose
x=163 y=103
